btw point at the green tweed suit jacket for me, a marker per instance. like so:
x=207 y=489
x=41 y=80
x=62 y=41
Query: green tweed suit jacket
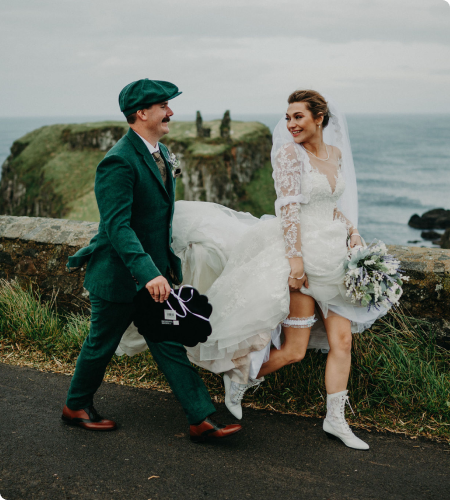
x=133 y=243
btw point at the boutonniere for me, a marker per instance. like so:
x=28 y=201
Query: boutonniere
x=175 y=165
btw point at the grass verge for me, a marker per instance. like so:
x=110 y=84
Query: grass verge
x=399 y=381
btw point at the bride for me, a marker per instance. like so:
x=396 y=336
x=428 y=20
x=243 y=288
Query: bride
x=277 y=283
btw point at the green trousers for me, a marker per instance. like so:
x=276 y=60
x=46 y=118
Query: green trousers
x=109 y=320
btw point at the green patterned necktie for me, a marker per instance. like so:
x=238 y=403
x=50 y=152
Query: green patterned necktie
x=161 y=166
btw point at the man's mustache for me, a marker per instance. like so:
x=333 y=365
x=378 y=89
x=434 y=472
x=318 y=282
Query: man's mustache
x=166 y=119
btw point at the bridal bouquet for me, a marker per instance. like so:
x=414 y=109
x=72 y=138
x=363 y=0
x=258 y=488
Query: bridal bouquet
x=373 y=277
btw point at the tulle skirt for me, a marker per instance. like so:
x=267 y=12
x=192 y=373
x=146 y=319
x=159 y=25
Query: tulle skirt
x=239 y=262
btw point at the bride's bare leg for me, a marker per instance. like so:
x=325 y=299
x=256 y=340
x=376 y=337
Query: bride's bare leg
x=295 y=339
x=339 y=358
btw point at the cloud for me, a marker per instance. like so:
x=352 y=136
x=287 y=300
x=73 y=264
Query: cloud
x=73 y=57
x=325 y=20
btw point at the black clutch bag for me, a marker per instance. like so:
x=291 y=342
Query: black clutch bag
x=183 y=317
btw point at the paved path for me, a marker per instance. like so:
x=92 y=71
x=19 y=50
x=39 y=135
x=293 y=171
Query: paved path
x=274 y=457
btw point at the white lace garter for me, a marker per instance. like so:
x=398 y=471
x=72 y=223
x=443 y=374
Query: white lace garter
x=300 y=322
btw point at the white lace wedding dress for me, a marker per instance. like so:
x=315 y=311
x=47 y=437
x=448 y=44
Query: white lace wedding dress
x=240 y=262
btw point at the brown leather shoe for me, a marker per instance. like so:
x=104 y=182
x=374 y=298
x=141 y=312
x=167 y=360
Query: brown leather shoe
x=87 y=419
x=210 y=429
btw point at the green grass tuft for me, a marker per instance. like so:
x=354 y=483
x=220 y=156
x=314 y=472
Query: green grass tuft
x=26 y=319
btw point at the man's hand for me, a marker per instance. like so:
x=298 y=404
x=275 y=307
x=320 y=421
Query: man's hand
x=159 y=289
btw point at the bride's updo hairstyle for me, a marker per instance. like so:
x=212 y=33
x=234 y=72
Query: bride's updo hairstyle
x=316 y=103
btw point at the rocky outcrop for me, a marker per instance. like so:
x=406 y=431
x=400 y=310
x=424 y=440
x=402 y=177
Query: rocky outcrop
x=102 y=138
x=219 y=173
x=225 y=126
x=51 y=168
x=50 y=171
x=444 y=242
x=201 y=130
x=430 y=235
x=438 y=218
x=218 y=169
x=36 y=249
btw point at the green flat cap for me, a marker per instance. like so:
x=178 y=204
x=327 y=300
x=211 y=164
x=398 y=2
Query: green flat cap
x=145 y=92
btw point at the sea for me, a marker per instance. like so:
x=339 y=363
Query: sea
x=402 y=165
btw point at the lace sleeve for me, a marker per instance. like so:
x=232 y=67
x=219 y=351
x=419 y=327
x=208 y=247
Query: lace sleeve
x=339 y=215
x=287 y=176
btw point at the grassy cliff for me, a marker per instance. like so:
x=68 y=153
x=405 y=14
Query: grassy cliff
x=51 y=171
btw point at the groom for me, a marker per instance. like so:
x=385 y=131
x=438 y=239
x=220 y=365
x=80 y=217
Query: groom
x=135 y=191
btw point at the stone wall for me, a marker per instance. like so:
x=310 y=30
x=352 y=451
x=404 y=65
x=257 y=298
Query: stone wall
x=427 y=294
x=35 y=250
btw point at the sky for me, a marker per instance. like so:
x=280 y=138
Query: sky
x=72 y=57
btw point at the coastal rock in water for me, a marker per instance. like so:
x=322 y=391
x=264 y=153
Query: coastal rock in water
x=438 y=218
x=445 y=240
x=430 y=235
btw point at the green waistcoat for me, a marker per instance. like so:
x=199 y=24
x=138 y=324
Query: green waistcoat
x=133 y=243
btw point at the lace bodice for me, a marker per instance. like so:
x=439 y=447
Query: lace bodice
x=324 y=196
x=307 y=193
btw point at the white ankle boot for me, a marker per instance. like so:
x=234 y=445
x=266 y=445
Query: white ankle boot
x=234 y=393
x=335 y=423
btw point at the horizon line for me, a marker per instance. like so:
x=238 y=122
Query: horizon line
x=384 y=113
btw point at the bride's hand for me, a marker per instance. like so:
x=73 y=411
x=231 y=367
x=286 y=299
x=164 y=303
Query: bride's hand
x=297 y=278
x=355 y=240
